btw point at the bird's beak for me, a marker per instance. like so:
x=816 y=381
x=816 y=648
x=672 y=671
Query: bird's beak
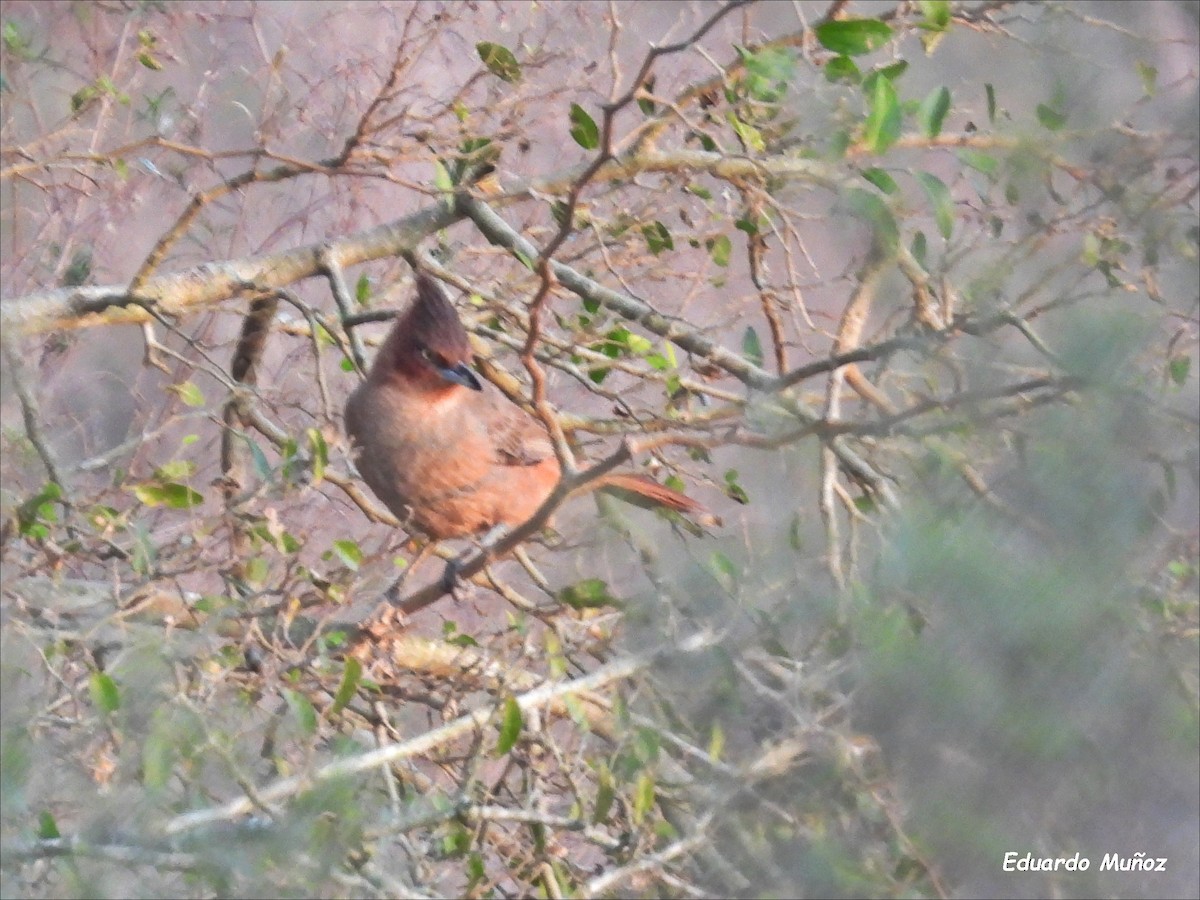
x=460 y=374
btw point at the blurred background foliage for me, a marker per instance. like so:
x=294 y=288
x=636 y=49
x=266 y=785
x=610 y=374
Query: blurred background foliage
x=952 y=611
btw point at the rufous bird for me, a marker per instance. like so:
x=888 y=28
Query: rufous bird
x=444 y=455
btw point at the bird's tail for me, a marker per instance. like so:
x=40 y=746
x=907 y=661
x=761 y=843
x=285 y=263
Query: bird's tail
x=647 y=493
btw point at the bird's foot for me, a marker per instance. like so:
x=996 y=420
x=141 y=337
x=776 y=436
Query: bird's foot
x=452 y=583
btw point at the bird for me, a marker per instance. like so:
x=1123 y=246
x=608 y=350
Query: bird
x=446 y=456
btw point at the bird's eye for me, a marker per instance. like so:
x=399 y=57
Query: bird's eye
x=434 y=359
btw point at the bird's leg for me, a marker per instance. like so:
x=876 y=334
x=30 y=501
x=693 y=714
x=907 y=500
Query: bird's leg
x=451 y=582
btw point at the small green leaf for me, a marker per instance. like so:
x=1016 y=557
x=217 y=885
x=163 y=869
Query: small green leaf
x=189 y=394
x=891 y=73
x=991 y=101
x=510 y=726
x=302 y=710
x=104 y=692
x=752 y=346
x=1051 y=119
x=499 y=61
x=853 y=37
x=750 y=136
x=724 y=569
x=768 y=72
x=981 y=162
x=1149 y=76
x=716 y=743
x=936 y=13
x=362 y=289
x=591 y=593
x=734 y=490
x=932 y=111
x=1178 y=369
x=940 y=200
x=643 y=797
x=883 y=124
x=441 y=177
x=919 y=249
x=720 y=249
x=842 y=68
x=657 y=237
x=172 y=495
x=47 y=829
x=320 y=454
x=158 y=759
x=147 y=60
x=349 y=553
x=606 y=793
x=881 y=180
x=351 y=676
x=583 y=128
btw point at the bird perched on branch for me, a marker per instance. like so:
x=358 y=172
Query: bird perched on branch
x=443 y=454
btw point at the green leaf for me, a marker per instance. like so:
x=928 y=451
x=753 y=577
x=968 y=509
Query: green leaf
x=188 y=393
x=47 y=829
x=716 y=743
x=842 y=68
x=919 y=249
x=1051 y=119
x=351 y=676
x=499 y=61
x=262 y=468
x=891 y=73
x=175 y=470
x=734 y=490
x=720 y=249
x=752 y=346
x=320 y=454
x=35 y=513
x=1149 y=76
x=349 y=553
x=936 y=13
x=940 y=200
x=881 y=180
x=104 y=692
x=981 y=162
x=362 y=289
x=171 y=494
x=657 y=237
x=883 y=124
x=302 y=710
x=1178 y=369
x=591 y=593
x=853 y=37
x=606 y=793
x=643 y=797
x=158 y=758
x=510 y=726
x=750 y=136
x=583 y=128
x=441 y=177
x=932 y=111
x=768 y=72
x=991 y=101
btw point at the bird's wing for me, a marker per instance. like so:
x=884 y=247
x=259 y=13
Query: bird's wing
x=520 y=439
